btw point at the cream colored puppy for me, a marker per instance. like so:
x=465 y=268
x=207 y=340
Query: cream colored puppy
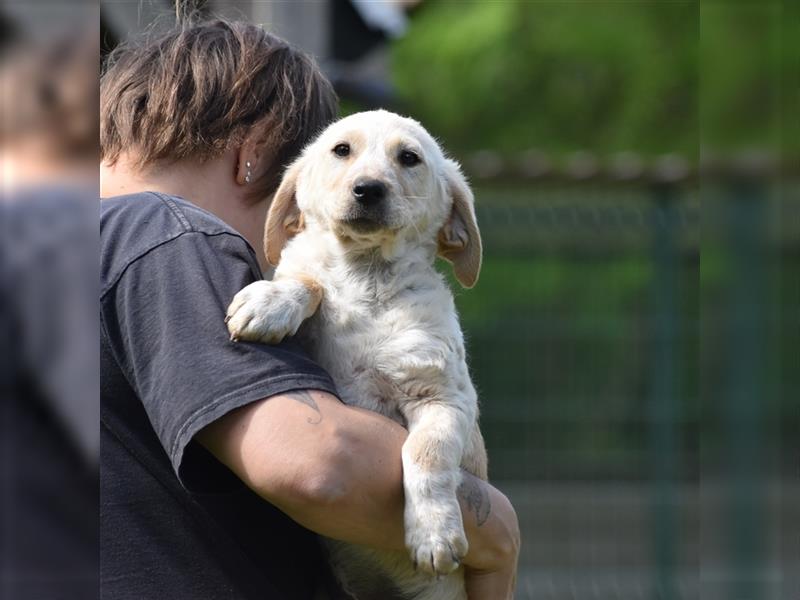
x=354 y=230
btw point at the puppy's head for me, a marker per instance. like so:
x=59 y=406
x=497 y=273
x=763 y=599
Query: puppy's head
x=372 y=178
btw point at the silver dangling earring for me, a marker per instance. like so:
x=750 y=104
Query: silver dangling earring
x=247 y=177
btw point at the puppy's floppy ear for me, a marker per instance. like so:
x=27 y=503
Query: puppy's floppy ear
x=459 y=238
x=284 y=219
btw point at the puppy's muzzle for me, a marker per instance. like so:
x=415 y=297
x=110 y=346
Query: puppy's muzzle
x=368 y=210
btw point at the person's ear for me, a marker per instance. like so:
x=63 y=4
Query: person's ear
x=459 y=240
x=284 y=219
x=247 y=163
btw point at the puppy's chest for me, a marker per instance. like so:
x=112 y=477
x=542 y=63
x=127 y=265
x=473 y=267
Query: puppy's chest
x=366 y=333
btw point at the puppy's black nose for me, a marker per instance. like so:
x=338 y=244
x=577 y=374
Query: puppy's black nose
x=369 y=191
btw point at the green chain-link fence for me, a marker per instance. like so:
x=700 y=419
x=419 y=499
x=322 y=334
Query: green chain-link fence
x=598 y=308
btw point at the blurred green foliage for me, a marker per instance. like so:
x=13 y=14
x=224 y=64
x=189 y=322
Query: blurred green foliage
x=598 y=76
x=748 y=54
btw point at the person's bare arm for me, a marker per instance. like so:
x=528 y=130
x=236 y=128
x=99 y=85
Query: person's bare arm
x=489 y=576
x=337 y=470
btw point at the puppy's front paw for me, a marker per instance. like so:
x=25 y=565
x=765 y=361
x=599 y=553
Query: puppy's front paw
x=436 y=539
x=264 y=311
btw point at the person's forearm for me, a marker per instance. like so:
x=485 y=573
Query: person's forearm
x=364 y=501
x=347 y=482
x=359 y=493
x=368 y=508
x=332 y=468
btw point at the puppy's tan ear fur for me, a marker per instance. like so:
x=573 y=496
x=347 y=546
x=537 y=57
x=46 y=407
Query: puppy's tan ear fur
x=284 y=219
x=459 y=238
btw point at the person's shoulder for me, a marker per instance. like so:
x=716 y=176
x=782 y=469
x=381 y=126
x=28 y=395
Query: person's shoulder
x=163 y=214
x=134 y=225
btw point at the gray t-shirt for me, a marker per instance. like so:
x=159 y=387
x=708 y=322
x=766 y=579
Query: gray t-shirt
x=175 y=523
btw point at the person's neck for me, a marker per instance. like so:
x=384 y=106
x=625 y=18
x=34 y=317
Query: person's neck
x=210 y=185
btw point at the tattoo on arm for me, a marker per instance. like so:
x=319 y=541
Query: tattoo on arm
x=474 y=494
x=306 y=398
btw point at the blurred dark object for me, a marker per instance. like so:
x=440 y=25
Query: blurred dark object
x=352 y=37
x=358 y=62
x=108 y=37
x=8 y=33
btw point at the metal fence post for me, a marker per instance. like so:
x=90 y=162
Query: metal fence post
x=744 y=399
x=662 y=409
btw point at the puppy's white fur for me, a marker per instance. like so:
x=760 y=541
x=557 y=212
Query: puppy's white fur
x=362 y=294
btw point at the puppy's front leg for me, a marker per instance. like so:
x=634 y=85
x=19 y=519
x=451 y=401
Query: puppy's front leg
x=268 y=311
x=431 y=458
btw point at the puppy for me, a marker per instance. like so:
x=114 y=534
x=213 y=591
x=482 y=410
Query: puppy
x=354 y=230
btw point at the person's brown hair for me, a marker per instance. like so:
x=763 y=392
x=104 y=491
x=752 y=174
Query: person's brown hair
x=198 y=90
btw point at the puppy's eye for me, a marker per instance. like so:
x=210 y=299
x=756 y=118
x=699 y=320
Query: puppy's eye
x=341 y=150
x=408 y=158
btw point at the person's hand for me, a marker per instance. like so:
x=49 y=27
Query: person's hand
x=491 y=569
x=491 y=585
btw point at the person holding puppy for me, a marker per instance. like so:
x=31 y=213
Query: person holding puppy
x=196 y=127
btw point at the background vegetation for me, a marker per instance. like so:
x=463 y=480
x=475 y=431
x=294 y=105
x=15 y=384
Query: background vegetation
x=598 y=76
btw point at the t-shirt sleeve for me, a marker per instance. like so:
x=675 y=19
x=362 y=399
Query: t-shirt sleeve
x=164 y=319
